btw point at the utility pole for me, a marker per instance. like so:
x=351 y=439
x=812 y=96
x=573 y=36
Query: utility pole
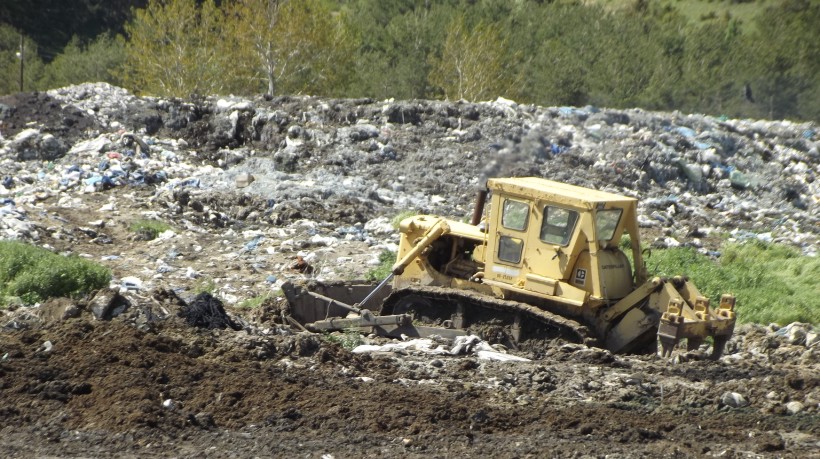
x=21 y=56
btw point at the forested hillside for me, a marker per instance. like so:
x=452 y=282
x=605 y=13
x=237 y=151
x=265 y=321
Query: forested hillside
x=756 y=59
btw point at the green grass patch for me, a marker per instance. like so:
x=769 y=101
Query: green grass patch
x=34 y=274
x=386 y=257
x=205 y=285
x=386 y=261
x=349 y=339
x=149 y=229
x=772 y=282
x=254 y=303
x=396 y=221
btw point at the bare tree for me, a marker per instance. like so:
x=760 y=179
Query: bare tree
x=472 y=65
x=291 y=46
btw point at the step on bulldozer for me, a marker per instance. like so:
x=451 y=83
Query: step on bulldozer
x=543 y=260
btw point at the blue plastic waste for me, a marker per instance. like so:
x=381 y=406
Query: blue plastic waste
x=94 y=179
x=254 y=243
x=557 y=149
x=685 y=131
x=117 y=172
x=8 y=182
x=159 y=177
x=270 y=279
x=194 y=182
x=344 y=230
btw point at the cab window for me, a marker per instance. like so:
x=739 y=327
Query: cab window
x=606 y=222
x=558 y=225
x=514 y=215
x=509 y=249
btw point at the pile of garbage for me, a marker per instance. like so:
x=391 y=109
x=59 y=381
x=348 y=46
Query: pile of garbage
x=695 y=174
x=307 y=175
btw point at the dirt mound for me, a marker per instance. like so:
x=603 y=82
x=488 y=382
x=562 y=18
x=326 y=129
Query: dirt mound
x=89 y=387
x=39 y=110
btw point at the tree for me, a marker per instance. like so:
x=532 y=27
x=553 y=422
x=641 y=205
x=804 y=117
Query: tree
x=53 y=23
x=397 y=39
x=713 y=66
x=786 y=51
x=473 y=63
x=559 y=51
x=10 y=62
x=78 y=63
x=290 y=46
x=174 y=49
x=627 y=57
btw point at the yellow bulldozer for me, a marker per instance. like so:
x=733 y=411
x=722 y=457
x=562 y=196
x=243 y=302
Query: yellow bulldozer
x=543 y=260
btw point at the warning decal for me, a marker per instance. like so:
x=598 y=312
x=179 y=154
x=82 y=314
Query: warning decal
x=580 y=276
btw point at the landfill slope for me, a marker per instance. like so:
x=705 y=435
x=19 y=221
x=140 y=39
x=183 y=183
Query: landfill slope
x=150 y=368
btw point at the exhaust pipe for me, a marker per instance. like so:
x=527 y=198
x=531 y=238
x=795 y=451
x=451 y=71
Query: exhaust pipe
x=478 y=211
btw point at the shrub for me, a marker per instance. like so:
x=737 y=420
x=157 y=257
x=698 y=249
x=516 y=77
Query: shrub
x=386 y=261
x=34 y=274
x=205 y=286
x=396 y=221
x=255 y=302
x=149 y=229
x=80 y=62
x=349 y=339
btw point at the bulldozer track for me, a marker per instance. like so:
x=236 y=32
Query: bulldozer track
x=436 y=305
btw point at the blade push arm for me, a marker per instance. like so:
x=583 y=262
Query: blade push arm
x=439 y=229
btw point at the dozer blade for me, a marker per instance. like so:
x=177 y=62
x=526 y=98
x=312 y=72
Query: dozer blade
x=319 y=307
x=313 y=301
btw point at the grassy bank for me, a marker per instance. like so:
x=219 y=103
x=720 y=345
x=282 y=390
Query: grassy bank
x=772 y=282
x=31 y=274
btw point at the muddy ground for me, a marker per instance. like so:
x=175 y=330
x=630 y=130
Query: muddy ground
x=87 y=388
x=329 y=176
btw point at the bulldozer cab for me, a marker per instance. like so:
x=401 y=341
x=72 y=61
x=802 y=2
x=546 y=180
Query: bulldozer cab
x=557 y=240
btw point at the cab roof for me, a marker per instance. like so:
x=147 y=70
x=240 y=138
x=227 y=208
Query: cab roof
x=548 y=190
